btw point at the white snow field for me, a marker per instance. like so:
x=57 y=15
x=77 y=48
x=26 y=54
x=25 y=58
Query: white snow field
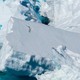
x=63 y=14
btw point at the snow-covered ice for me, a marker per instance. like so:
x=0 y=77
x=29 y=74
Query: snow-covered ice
x=48 y=52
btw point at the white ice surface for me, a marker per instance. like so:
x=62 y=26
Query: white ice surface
x=38 y=39
x=35 y=38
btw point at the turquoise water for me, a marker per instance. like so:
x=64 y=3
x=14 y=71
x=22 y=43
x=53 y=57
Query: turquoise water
x=27 y=69
x=0 y=26
x=36 y=8
x=8 y=76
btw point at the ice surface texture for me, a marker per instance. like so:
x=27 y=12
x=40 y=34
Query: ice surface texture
x=34 y=49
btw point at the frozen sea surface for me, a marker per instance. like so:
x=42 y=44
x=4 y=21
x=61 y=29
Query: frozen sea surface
x=30 y=50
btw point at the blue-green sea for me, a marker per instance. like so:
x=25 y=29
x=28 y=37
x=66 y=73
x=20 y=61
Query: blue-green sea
x=8 y=76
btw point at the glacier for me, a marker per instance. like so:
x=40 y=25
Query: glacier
x=63 y=60
x=31 y=50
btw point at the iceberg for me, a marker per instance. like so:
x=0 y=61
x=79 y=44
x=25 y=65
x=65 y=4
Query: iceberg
x=28 y=39
x=55 y=47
